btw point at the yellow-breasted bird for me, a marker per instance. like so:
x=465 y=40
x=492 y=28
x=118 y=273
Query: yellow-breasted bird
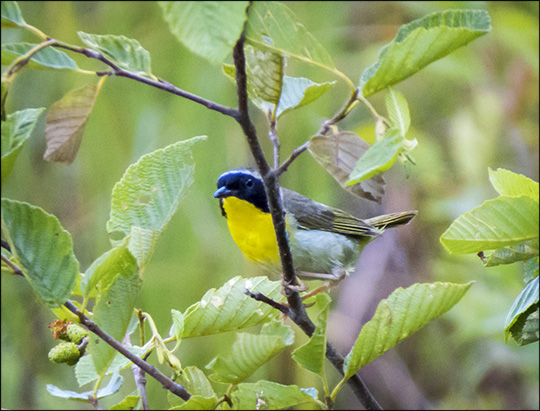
x=325 y=241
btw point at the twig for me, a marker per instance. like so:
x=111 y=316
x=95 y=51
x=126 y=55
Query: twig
x=167 y=383
x=295 y=153
x=16 y=269
x=138 y=377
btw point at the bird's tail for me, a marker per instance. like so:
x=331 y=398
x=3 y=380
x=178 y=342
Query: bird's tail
x=391 y=220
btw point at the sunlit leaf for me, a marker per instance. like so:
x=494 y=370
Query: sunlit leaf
x=273 y=396
x=229 y=308
x=265 y=73
x=125 y=52
x=147 y=196
x=196 y=383
x=250 y=351
x=398 y=110
x=43 y=249
x=46 y=58
x=276 y=21
x=497 y=223
x=15 y=131
x=401 y=314
x=511 y=184
x=421 y=42
x=522 y=319
x=66 y=122
x=127 y=403
x=338 y=152
x=207 y=28
x=378 y=158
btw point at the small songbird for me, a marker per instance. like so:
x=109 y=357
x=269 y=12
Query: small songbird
x=325 y=241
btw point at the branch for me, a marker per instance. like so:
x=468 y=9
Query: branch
x=167 y=383
x=159 y=83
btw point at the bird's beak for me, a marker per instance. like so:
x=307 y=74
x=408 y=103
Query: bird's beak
x=222 y=192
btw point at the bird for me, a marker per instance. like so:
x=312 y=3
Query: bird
x=325 y=242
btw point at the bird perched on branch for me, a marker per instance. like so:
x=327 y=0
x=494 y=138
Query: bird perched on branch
x=325 y=241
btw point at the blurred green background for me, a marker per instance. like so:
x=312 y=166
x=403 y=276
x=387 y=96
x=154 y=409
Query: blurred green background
x=476 y=108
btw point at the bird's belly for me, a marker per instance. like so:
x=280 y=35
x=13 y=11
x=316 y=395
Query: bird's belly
x=318 y=251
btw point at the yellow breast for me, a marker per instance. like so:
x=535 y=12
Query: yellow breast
x=252 y=231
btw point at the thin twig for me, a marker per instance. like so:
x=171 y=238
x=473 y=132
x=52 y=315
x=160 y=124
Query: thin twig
x=167 y=383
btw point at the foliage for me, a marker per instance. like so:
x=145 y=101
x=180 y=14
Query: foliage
x=147 y=196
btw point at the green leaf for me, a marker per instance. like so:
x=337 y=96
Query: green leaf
x=127 y=403
x=113 y=386
x=196 y=383
x=278 y=22
x=421 y=42
x=338 y=152
x=11 y=15
x=250 y=351
x=312 y=355
x=207 y=28
x=197 y=402
x=177 y=327
x=229 y=308
x=147 y=196
x=522 y=319
x=513 y=253
x=497 y=223
x=15 y=131
x=273 y=396
x=125 y=52
x=105 y=268
x=401 y=314
x=46 y=58
x=66 y=122
x=113 y=311
x=265 y=73
x=379 y=157
x=85 y=371
x=513 y=185
x=398 y=110
x=44 y=250
x=296 y=92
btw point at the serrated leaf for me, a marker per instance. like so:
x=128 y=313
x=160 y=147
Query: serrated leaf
x=278 y=22
x=497 y=223
x=105 y=268
x=66 y=122
x=46 y=58
x=250 y=351
x=207 y=28
x=113 y=386
x=421 y=42
x=15 y=131
x=147 y=196
x=511 y=184
x=85 y=371
x=378 y=158
x=513 y=253
x=197 y=402
x=404 y=312
x=125 y=52
x=265 y=73
x=11 y=15
x=273 y=396
x=522 y=319
x=44 y=250
x=229 y=308
x=312 y=355
x=113 y=311
x=398 y=110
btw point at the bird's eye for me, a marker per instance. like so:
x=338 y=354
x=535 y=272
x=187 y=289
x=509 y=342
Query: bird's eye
x=249 y=183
